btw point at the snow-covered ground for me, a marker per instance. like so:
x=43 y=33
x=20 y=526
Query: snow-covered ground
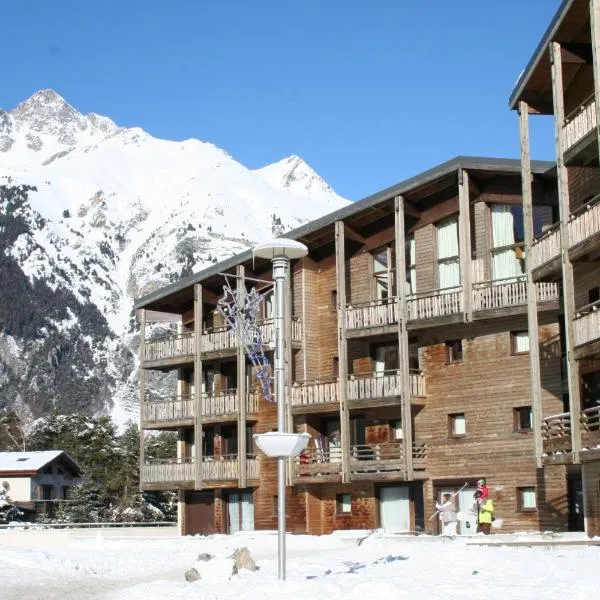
x=333 y=567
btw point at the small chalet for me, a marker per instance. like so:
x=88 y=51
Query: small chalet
x=35 y=481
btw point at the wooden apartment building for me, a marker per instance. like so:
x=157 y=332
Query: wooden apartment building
x=408 y=362
x=563 y=79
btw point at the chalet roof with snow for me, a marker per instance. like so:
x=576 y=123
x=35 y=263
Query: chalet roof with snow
x=29 y=462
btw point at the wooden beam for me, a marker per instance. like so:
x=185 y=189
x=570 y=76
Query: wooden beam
x=340 y=264
x=198 y=384
x=241 y=384
x=577 y=54
x=567 y=267
x=353 y=235
x=385 y=236
x=532 y=313
x=464 y=243
x=595 y=33
x=403 y=352
x=142 y=381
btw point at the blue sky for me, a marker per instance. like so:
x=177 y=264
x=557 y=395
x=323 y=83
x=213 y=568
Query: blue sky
x=368 y=92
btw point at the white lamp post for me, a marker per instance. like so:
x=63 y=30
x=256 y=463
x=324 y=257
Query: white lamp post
x=279 y=443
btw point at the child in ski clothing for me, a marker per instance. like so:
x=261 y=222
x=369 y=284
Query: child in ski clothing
x=448 y=516
x=485 y=516
x=484 y=492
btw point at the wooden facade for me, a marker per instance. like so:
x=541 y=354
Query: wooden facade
x=408 y=364
x=563 y=80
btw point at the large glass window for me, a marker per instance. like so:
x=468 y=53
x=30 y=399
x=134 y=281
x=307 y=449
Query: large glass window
x=383 y=273
x=447 y=251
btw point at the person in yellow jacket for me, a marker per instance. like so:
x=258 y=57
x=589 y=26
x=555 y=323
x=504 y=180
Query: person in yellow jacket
x=485 y=516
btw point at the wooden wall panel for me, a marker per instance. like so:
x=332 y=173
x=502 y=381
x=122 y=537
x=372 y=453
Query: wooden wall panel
x=584 y=183
x=426 y=258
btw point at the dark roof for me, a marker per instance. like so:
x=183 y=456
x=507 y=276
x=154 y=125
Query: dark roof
x=496 y=165
x=539 y=53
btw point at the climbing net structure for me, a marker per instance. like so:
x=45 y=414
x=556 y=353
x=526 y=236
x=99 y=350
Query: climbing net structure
x=241 y=316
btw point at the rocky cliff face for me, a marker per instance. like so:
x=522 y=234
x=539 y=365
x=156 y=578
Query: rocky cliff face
x=93 y=215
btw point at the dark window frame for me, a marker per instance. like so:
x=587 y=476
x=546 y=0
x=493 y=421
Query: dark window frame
x=517 y=419
x=451 y=422
x=513 y=342
x=339 y=504
x=452 y=356
x=520 y=491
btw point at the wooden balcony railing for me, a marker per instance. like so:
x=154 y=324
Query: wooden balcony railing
x=377 y=313
x=175 y=408
x=556 y=426
x=219 y=468
x=502 y=293
x=434 y=303
x=368 y=386
x=546 y=248
x=165 y=471
x=590 y=419
x=267 y=330
x=584 y=222
x=224 y=402
x=385 y=457
x=556 y=431
x=169 y=346
x=315 y=392
x=218 y=338
x=579 y=123
x=316 y=462
x=586 y=324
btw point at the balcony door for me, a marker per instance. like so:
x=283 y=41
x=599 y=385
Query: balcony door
x=229 y=440
x=385 y=358
x=394 y=508
x=240 y=511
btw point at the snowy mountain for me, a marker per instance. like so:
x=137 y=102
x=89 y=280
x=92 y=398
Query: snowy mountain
x=93 y=215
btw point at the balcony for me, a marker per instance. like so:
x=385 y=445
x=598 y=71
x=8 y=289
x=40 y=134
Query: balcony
x=173 y=411
x=586 y=328
x=173 y=348
x=319 y=394
x=320 y=464
x=169 y=472
x=584 y=228
x=369 y=461
x=545 y=251
x=556 y=433
x=579 y=123
x=267 y=330
x=220 y=404
x=506 y=293
x=218 y=339
x=366 y=387
x=378 y=313
x=181 y=472
x=434 y=303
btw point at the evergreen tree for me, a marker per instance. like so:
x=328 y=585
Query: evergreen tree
x=87 y=504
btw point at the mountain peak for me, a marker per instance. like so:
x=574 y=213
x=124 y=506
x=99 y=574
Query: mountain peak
x=293 y=174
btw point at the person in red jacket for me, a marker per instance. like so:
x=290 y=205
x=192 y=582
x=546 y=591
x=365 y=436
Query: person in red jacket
x=485 y=493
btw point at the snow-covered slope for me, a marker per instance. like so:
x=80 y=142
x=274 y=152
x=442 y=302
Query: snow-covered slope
x=115 y=213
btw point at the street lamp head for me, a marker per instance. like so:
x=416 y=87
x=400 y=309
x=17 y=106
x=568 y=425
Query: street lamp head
x=280 y=248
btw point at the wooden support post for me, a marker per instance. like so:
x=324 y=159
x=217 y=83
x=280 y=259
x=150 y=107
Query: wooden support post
x=142 y=386
x=340 y=264
x=595 y=34
x=567 y=267
x=464 y=244
x=198 y=384
x=241 y=386
x=403 y=353
x=532 y=313
x=288 y=357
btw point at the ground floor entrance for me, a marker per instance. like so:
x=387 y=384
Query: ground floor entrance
x=240 y=510
x=199 y=513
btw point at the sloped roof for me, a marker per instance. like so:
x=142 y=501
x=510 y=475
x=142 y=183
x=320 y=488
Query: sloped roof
x=471 y=163
x=30 y=461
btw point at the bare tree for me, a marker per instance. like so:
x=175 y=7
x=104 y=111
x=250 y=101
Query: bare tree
x=16 y=427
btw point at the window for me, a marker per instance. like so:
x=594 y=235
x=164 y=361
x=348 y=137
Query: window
x=447 y=250
x=335 y=366
x=385 y=358
x=343 y=504
x=522 y=418
x=47 y=492
x=457 y=425
x=593 y=295
x=526 y=500
x=333 y=306
x=519 y=342
x=383 y=266
x=411 y=266
x=398 y=434
x=454 y=351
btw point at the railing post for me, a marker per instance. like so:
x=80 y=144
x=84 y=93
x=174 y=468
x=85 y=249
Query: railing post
x=464 y=240
x=340 y=263
x=198 y=384
x=567 y=267
x=403 y=352
x=142 y=386
x=532 y=315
